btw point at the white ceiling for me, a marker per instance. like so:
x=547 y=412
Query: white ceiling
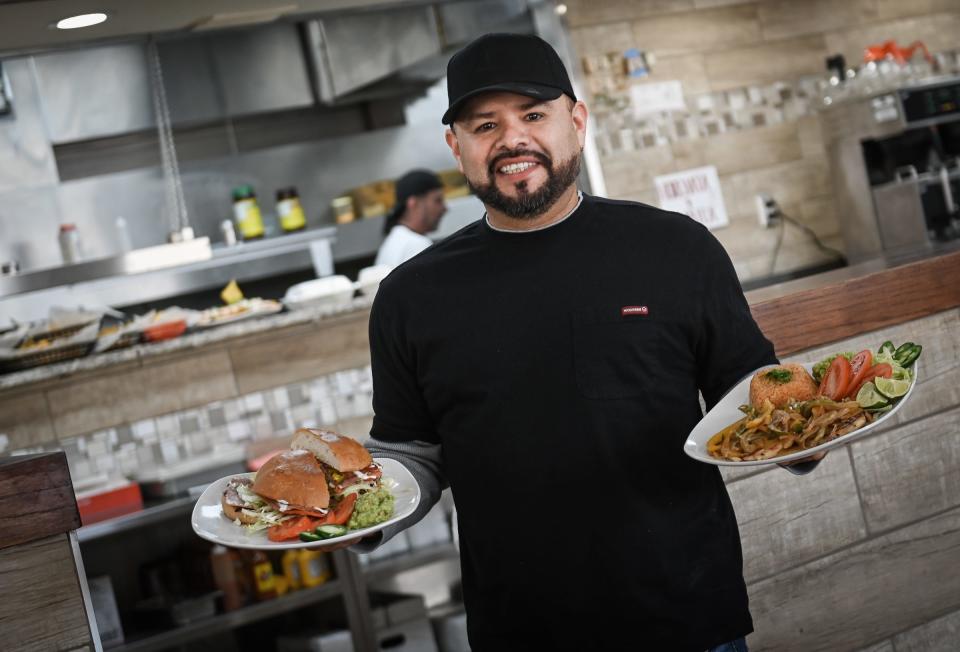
x=25 y=24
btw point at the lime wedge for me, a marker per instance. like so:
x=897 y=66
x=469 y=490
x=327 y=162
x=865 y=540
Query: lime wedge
x=869 y=398
x=891 y=387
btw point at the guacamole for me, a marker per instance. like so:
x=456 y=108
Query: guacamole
x=372 y=507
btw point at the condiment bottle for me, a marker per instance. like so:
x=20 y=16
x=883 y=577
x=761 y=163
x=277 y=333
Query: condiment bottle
x=289 y=210
x=69 y=239
x=261 y=571
x=314 y=568
x=225 y=577
x=291 y=569
x=343 y=210
x=246 y=213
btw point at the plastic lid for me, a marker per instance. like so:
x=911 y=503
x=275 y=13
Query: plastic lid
x=68 y=227
x=243 y=192
x=287 y=193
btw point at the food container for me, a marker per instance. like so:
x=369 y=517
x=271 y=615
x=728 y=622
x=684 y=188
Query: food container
x=165 y=331
x=368 y=280
x=105 y=502
x=336 y=290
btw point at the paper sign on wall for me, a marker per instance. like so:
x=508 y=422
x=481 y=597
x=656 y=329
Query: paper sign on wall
x=696 y=193
x=657 y=96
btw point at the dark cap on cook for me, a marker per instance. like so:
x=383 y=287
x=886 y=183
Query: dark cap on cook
x=517 y=63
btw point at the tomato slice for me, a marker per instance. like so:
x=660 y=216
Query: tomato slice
x=291 y=529
x=342 y=512
x=837 y=378
x=859 y=367
x=880 y=370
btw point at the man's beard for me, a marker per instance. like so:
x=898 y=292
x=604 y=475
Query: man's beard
x=528 y=205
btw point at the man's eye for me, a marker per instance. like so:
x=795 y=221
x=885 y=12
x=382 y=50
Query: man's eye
x=486 y=126
x=533 y=117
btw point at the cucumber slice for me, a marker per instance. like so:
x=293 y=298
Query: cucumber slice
x=330 y=531
x=310 y=536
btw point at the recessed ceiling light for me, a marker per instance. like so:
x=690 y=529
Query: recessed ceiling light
x=83 y=20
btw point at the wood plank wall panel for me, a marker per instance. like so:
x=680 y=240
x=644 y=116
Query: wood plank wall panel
x=791 y=518
x=940 y=635
x=806 y=319
x=863 y=594
x=42 y=607
x=112 y=397
x=910 y=473
x=36 y=499
x=301 y=353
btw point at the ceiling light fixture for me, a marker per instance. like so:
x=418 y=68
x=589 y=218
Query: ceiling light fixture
x=83 y=20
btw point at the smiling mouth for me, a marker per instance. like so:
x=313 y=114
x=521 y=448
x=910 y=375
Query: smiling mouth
x=516 y=168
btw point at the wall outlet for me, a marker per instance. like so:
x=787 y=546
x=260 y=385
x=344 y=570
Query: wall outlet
x=768 y=213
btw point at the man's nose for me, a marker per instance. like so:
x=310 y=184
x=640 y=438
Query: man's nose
x=516 y=134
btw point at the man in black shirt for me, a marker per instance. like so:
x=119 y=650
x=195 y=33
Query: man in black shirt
x=545 y=361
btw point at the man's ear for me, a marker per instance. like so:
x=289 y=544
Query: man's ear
x=454 y=145
x=579 y=114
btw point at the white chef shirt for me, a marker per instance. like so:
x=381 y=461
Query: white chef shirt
x=401 y=244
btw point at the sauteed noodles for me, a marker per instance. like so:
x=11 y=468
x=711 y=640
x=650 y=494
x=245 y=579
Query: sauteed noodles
x=767 y=431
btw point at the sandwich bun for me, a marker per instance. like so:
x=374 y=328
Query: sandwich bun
x=341 y=453
x=294 y=477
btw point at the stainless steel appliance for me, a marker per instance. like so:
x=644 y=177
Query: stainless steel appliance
x=895 y=159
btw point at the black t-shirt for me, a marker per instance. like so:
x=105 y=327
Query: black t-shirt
x=558 y=369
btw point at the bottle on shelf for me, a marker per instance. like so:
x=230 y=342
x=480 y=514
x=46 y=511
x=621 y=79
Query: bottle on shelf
x=69 y=238
x=246 y=212
x=291 y=569
x=224 y=564
x=289 y=210
x=261 y=574
x=314 y=568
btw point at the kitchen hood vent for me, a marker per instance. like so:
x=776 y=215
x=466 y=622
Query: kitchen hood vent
x=354 y=50
x=242 y=18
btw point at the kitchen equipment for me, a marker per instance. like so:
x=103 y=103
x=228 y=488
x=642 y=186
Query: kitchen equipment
x=896 y=172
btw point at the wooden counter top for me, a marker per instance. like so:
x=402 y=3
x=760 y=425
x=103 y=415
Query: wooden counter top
x=36 y=498
x=809 y=318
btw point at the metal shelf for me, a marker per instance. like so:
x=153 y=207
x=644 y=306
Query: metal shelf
x=145 y=516
x=229 y=620
x=381 y=568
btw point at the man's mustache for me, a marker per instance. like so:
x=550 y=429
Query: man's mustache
x=540 y=157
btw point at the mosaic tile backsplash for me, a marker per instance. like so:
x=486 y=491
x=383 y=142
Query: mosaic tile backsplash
x=218 y=431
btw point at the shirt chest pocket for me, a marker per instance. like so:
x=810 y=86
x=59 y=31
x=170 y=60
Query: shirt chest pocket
x=615 y=355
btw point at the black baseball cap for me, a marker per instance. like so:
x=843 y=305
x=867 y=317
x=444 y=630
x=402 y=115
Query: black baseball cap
x=517 y=63
x=414 y=183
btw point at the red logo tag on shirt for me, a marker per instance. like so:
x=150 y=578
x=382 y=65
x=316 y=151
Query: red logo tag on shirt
x=628 y=311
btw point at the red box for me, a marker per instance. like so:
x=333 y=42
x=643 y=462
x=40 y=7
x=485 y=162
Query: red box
x=109 y=503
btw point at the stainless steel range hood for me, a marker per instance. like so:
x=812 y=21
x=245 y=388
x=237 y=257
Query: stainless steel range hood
x=349 y=52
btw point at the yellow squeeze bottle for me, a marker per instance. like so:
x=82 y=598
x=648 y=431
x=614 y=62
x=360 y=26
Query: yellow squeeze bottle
x=291 y=569
x=314 y=568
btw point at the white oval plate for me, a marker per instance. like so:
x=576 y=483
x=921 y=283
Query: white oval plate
x=209 y=522
x=726 y=412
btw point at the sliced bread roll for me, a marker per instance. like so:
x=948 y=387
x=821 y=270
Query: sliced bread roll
x=294 y=477
x=341 y=453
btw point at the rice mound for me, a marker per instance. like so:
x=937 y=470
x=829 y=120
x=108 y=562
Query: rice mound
x=800 y=387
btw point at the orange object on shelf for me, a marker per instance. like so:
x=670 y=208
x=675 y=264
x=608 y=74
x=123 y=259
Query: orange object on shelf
x=165 y=331
x=899 y=54
x=103 y=505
